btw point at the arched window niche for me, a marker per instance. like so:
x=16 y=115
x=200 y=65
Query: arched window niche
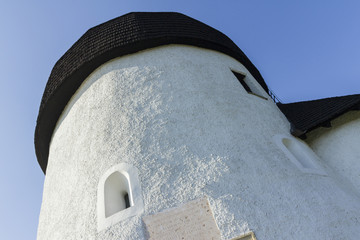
x=119 y=195
x=300 y=154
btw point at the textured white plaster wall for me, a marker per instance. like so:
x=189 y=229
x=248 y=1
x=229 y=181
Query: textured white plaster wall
x=179 y=115
x=339 y=147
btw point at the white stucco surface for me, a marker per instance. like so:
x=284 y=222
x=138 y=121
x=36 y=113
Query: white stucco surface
x=178 y=115
x=339 y=147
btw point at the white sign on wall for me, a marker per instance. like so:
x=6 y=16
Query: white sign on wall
x=193 y=220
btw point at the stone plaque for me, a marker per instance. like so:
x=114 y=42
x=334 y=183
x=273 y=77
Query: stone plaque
x=193 y=220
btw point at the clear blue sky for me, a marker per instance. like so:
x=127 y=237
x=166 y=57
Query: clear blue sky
x=304 y=50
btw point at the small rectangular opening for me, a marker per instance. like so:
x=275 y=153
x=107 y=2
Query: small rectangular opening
x=241 y=78
x=127 y=201
x=246 y=85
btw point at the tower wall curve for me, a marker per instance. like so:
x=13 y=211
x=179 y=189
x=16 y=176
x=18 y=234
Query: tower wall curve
x=180 y=117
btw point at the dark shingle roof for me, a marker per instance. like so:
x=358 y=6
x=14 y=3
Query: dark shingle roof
x=308 y=115
x=123 y=35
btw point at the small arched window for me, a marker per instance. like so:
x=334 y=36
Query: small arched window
x=300 y=154
x=119 y=195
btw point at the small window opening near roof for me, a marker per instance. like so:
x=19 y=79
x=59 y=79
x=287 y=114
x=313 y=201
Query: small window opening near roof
x=241 y=78
x=247 y=84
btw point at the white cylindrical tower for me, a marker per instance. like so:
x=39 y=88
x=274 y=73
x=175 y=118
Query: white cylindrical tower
x=150 y=111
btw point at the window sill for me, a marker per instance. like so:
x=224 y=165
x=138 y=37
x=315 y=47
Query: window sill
x=258 y=95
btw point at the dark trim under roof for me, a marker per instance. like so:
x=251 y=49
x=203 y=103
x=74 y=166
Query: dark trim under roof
x=308 y=115
x=127 y=34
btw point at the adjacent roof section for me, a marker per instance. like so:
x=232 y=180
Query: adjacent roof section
x=123 y=35
x=308 y=115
